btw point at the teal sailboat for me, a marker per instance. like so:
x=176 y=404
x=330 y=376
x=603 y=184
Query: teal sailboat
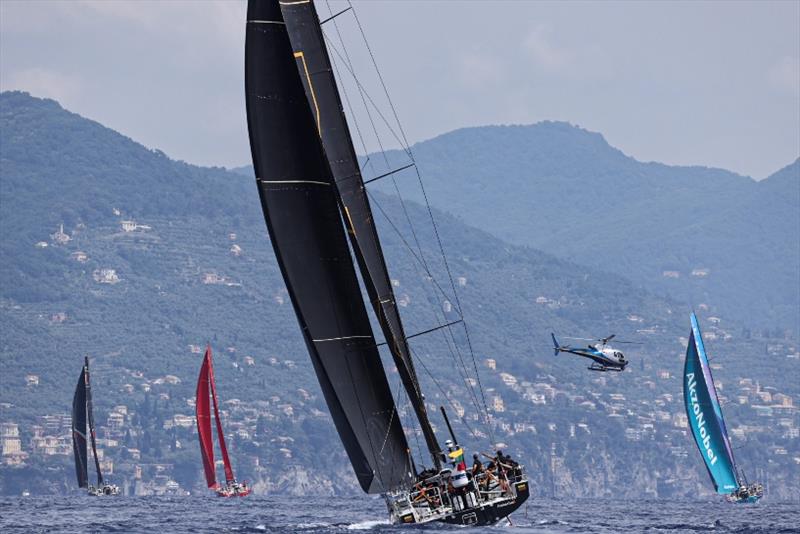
x=708 y=426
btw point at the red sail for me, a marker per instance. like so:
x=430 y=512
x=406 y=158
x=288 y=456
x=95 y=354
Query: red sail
x=220 y=434
x=204 y=420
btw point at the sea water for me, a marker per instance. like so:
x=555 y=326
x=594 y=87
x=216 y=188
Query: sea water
x=80 y=514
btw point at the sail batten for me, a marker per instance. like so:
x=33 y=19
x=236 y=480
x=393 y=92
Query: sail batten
x=705 y=415
x=307 y=234
x=316 y=73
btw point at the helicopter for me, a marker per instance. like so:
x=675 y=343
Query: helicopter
x=603 y=356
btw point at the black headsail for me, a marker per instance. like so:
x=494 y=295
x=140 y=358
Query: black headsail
x=79 y=431
x=91 y=423
x=314 y=65
x=301 y=209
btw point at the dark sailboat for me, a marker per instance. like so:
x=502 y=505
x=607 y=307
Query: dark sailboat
x=205 y=385
x=81 y=416
x=313 y=197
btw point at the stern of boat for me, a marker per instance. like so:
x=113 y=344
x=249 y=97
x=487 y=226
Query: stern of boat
x=483 y=502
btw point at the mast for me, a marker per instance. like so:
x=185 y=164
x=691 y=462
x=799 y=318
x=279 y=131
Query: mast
x=79 y=431
x=91 y=423
x=220 y=434
x=319 y=83
x=203 y=414
x=705 y=415
x=300 y=204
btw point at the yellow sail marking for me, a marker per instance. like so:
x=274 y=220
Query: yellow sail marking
x=350 y=220
x=310 y=88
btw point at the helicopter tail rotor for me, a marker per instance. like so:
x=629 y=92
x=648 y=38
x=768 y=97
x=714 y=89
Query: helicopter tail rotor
x=556 y=346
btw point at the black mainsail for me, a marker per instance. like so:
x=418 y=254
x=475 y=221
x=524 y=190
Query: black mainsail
x=316 y=73
x=90 y=414
x=314 y=199
x=301 y=209
x=81 y=415
x=79 y=431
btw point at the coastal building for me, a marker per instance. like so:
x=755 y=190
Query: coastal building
x=11 y=445
x=60 y=236
x=105 y=276
x=132 y=226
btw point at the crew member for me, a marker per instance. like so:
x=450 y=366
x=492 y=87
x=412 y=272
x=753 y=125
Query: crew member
x=477 y=465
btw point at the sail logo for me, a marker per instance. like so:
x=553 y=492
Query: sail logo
x=700 y=419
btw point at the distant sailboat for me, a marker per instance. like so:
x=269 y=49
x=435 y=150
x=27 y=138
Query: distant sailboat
x=81 y=415
x=206 y=383
x=708 y=426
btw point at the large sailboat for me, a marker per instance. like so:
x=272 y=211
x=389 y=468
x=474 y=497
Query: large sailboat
x=205 y=386
x=314 y=200
x=81 y=416
x=708 y=426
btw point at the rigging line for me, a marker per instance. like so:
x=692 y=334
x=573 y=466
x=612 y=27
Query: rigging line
x=378 y=72
x=453 y=349
x=405 y=143
x=339 y=329
x=446 y=396
x=375 y=202
x=389 y=173
x=336 y=15
x=363 y=94
x=344 y=91
x=406 y=402
x=416 y=385
x=452 y=284
x=349 y=65
x=463 y=374
x=428 y=331
x=407 y=149
x=379 y=475
x=469 y=386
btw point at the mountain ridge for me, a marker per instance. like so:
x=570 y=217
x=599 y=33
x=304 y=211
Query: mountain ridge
x=158 y=257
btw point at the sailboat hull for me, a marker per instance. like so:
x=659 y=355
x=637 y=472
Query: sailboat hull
x=748 y=500
x=227 y=492
x=410 y=508
x=104 y=491
x=489 y=515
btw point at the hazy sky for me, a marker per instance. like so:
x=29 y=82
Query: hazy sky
x=714 y=83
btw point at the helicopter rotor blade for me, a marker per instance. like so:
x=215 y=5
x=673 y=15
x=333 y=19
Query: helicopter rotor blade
x=581 y=338
x=609 y=338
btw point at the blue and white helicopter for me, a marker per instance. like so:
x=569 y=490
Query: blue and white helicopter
x=604 y=357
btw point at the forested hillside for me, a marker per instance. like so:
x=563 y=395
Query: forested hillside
x=156 y=258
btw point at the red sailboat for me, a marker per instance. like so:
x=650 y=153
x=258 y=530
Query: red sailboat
x=205 y=383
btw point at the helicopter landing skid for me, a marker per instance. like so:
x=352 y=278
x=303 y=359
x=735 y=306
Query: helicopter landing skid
x=603 y=368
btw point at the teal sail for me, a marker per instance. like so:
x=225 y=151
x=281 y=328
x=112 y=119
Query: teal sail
x=705 y=415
